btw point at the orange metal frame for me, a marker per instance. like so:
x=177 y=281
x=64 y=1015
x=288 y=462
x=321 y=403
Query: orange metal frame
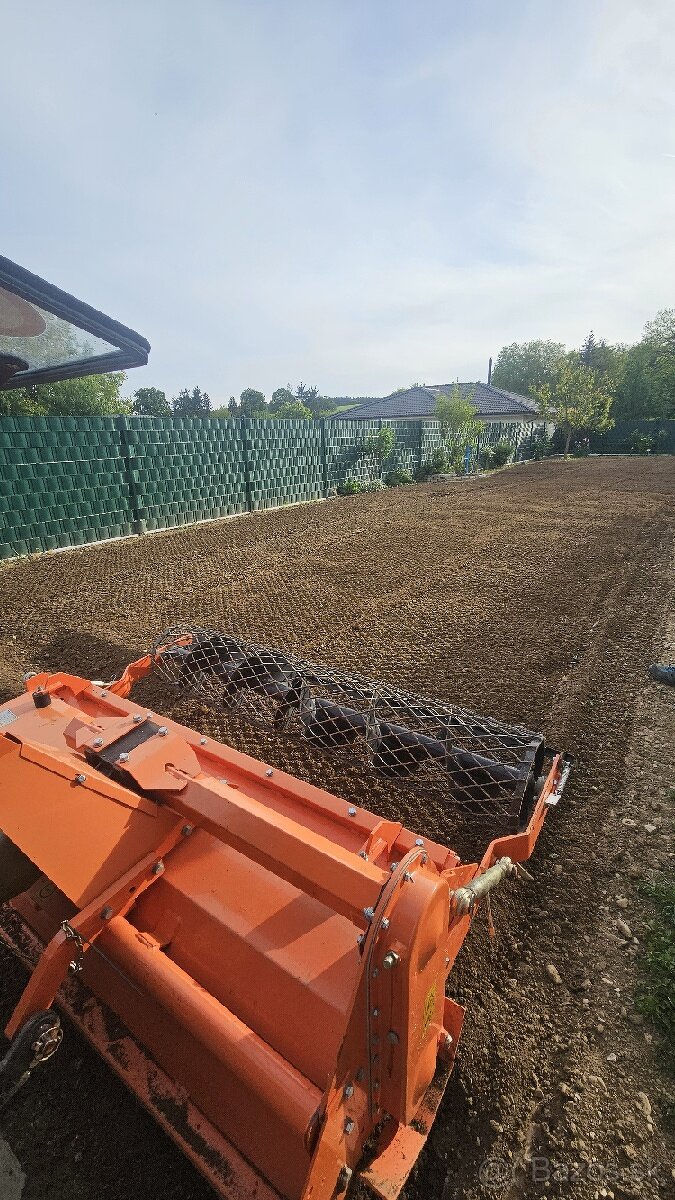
x=279 y=955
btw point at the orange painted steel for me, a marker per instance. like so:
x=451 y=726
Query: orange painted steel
x=278 y=955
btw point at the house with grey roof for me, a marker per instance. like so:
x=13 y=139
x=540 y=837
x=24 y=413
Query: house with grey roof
x=492 y=404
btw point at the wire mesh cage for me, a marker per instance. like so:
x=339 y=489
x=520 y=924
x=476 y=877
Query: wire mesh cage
x=486 y=768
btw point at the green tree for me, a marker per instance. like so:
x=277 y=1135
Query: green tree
x=151 y=402
x=459 y=425
x=89 y=396
x=319 y=406
x=380 y=446
x=576 y=398
x=253 y=403
x=283 y=395
x=192 y=404
x=607 y=361
x=646 y=383
x=524 y=367
x=293 y=410
x=660 y=333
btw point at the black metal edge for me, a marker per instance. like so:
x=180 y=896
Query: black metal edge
x=133 y=348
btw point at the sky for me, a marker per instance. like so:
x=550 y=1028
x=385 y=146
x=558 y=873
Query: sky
x=357 y=194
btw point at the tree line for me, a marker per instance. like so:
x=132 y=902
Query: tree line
x=101 y=395
x=591 y=388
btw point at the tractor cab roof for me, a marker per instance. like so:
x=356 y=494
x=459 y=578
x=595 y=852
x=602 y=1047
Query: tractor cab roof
x=46 y=334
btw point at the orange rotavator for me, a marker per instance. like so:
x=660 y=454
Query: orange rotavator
x=262 y=962
x=277 y=957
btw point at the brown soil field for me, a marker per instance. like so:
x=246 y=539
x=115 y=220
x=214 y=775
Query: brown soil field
x=538 y=595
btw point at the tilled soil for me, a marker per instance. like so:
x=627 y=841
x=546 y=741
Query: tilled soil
x=538 y=595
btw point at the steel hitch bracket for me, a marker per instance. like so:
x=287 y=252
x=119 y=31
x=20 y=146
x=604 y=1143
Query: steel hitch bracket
x=35 y=1043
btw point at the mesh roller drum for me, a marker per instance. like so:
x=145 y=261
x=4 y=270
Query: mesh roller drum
x=489 y=769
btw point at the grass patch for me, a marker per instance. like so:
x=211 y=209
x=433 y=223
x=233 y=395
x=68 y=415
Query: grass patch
x=656 y=993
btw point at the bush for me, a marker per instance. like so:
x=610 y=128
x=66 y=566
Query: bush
x=640 y=443
x=397 y=477
x=486 y=458
x=502 y=453
x=439 y=461
x=350 y=487
x=541 y=447
x=436 y=465
x=374 y=485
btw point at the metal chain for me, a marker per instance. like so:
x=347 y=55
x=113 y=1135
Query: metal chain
x=72 y=934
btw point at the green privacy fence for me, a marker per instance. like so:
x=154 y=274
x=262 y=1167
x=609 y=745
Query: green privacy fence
x=622 y=437
x=65 y=481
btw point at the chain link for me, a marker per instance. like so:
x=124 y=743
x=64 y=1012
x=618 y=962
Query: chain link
x=76 y=963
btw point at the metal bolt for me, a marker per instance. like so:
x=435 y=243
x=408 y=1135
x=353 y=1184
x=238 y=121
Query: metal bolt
x=360 y=1075
x=104 y=693
x=158 y=867
x=393 y=867
x=162 y=731
x=407 y=878
x=390 y=960
x=369 y=913
x=349 y=1125
x=360 y=939
x=123 y=757
x=376 y=1012
x=225 y=781
x=269 y=772
x=375 y=1058
x=362 y=854
x=98 y=742
x=352 y=812
x=203 y=741
x=424 y=860
x=80 y=779
x=106 y=913
x=419 y=842
x=137 y=718
x=348 y=1091
x=375 y=972
x=187 y=830
x=385 y=922
x=393 y=1037
x=376 y=1085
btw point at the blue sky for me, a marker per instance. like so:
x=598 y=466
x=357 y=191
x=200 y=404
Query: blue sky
x=355 y=193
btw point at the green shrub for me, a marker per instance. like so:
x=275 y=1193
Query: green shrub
x=439 y=461
x=541 y=447
x=374 y=485
x=640 y=443
x=436 y=465
x=502 y=453
x=486 y=458
x=397 y=476
x=350 y=487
